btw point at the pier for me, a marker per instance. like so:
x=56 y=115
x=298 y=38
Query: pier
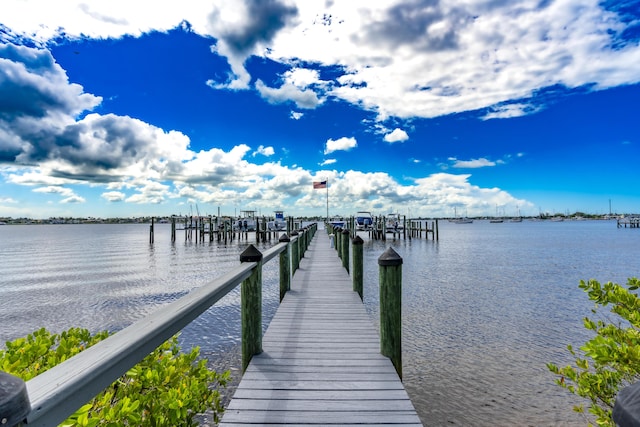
x=397 y=227
x=321 y=361
x=629 y=221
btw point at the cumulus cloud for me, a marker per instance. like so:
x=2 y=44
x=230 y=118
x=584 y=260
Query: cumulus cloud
x=426 y=59
x=472 y=163
x=69 y=195
x=242 y=28
x=265 y=151
x=378 y=192
x=341 y=144
x=508 y=111
x=396 y=58
x=305 y=98
x=113 y=196
x=397 y=135
x=328 y=162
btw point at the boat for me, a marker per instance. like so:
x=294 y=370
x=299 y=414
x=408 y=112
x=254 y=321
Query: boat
x=393 y=223
x=517 y=218
x=279 y=223
x=461 y=220
x=496 y=219
x=246 y=222
x=338 y=221
x=364 y=220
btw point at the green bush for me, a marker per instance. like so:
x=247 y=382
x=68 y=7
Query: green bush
x=167 y=388
x=611 y=359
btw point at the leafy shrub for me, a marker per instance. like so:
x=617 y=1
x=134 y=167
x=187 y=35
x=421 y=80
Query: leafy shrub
x=167 y=388
x=611 y=359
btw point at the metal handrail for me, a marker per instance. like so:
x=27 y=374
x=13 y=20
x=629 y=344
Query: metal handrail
x=58 y=392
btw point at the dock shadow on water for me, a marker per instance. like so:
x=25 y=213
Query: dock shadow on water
x=484 y=308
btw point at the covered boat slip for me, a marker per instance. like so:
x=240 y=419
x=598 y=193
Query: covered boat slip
x=321 y=361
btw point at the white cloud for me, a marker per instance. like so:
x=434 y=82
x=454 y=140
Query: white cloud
x=511 y=110
x=398 y=135
x=114 y=196
x=69 y=195
x=472 y=164
x=295 y=115
x=397 y=58
x=67 y=192
x=341 y=144
x=328 y=162
x=73 y=199
x=303 y=77
x=265 y=151
x=303 y=98
x=428 y=59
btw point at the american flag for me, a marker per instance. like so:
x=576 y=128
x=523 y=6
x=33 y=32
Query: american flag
x=319 y=184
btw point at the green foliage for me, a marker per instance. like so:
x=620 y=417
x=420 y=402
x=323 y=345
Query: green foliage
x=167 y=388
x=611 y=359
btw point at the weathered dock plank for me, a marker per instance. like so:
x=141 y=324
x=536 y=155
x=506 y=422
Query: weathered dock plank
x=321 y=361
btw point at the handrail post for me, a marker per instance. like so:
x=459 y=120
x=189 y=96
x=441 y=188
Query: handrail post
x=251 y=303
x=285 y=270
x=345 y=249
x=339 y=241
x=357 y=243
x=390 y=264
x=295 y=261
x=626 y=410
x=14 y=400
x=302 y=242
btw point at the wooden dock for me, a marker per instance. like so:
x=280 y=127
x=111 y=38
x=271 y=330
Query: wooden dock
x=321 y=361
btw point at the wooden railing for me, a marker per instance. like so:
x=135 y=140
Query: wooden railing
x=51 y=397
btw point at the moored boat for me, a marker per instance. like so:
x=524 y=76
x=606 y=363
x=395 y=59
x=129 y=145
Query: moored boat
x=394 y=223
x=279 y=223
x=364 y=220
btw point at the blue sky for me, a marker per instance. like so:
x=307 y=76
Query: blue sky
x=425 y=107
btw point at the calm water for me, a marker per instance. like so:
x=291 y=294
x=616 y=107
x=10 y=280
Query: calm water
x=484 y=308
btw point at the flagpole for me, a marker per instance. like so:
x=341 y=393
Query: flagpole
x=327 y=199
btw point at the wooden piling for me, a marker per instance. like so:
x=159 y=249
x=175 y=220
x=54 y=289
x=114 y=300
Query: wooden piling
x=285 y=269
x=295 y=260
x=358 y=274
x=390 y=264
x=345 y=249
x=251 y=307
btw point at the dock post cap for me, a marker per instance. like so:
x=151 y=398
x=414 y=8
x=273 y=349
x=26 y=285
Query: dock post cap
x=389 y=258
x=284 y=238
x=357 y=240
x=626 y=411
x=251 y=254
x=14 y=400
x=294 y=233
x=345 y=231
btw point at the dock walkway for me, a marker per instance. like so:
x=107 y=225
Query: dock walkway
x=321 y=361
